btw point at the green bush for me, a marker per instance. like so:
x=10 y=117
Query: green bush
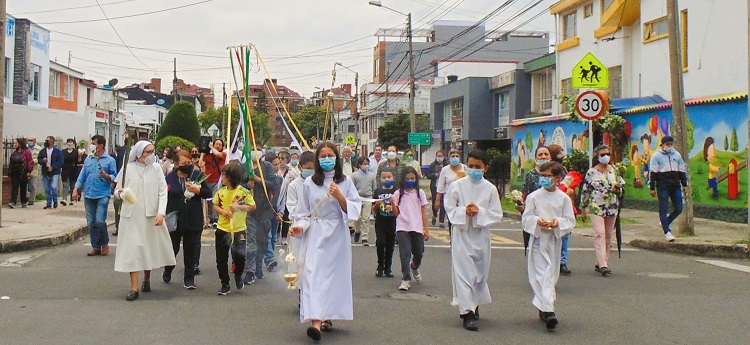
x=722 y=213
x=171 y=141
x=181 y=121
x=577 y=161
x=40 y=197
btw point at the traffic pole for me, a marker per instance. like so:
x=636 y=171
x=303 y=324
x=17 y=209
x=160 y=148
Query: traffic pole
x=3 y=29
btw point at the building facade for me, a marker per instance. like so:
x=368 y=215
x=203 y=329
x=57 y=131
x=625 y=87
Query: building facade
x=275 y=100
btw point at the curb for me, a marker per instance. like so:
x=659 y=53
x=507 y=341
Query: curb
x=48 y=241
x=512 y=215
x=695 y=249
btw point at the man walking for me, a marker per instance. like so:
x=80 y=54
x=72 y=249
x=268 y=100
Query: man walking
x=667 y=174
x=50 y=161
x=259 y=221
x=96 y=177
x=349 y=166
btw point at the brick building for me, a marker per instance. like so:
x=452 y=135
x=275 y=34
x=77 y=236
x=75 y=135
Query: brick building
x=283 y=95
x=183 y=89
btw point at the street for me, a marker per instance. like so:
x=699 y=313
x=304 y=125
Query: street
x=61 y=296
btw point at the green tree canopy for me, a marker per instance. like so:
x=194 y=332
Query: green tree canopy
x=734 y=145
x=261 y=128
x=726 y=143
x=214 y=117
x=310 y=120
x=181 y=121
x=395 y=130
x=170 y=142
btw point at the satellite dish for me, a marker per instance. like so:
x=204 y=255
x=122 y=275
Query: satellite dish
x=113 y=82
x=160 y=101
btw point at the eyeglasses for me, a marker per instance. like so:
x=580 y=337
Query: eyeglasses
x=148 y=152
x=603 y=154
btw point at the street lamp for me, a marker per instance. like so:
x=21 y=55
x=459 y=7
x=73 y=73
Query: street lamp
x=412 y=117
x=317 y=122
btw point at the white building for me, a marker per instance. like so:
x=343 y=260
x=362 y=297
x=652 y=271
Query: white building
x=145 y=115
x=104 y=109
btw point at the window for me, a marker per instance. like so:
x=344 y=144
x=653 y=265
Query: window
x=542 y=91
x=605 y=4
x=684 y=31
x=54 y=84
x=161 y=117
x=457 y=113
x=569 y=26
x=8 y=78
x=615 y=82
x=588 y=10
x=655 y=30
x=351 y=128
x=69 y=88
x=503 y=106
x=34 y=87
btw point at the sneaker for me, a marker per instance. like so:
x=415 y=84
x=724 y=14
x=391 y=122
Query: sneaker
x=669 y=236
x=197 y=271
x=388 y=273
x=272 y=265
x=259 y=274
x=434 y=221
x=238 y=281
x=225 y=290
x=11 y=205
x=31 y=203
x=190 y=285
x=55 y=206
x=356 y=238
x=284 y=241
x=405 y=285
x=379 y=272
x=23 y=205
x=442 y=225
x=564 y=270
x=415 y=274
x=47 y=207
x=365 y=243
x=63 y=202
x=249 y=279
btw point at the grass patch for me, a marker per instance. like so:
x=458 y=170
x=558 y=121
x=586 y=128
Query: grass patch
x=741 y=242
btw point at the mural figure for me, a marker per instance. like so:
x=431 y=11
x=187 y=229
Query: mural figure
x=637 y=161
x=733 y=184
x=646 y=144
x=709 y=154
x=542 y=139
x=521 y=151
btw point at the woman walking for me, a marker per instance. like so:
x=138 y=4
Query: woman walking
x=144 y=242
x=69 y=171
x=433 y=173
x=531 y=182
x=19 y=169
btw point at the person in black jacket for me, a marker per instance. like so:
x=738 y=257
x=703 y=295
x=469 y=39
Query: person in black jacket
x=433 y=174
x=259 y=221
x=50 y=161
x=186 y=198
x=69 y=171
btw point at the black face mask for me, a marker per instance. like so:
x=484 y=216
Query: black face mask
x=195 y=155
x=186 y=169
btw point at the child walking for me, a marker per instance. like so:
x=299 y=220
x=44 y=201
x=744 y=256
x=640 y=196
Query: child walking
x=231 y=203
x=548 y=217
x=385 y=223
x=411 y=226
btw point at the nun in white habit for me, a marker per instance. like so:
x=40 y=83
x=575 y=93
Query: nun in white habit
x=547 y=217
x=472 y=204
x=144 y=243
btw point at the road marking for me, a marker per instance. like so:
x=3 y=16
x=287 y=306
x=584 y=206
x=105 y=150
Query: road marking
x=20 y=260
x=443 y=236
x=725 y=264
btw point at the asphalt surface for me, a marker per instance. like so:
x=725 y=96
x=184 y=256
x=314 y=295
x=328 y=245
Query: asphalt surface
x=60 y=296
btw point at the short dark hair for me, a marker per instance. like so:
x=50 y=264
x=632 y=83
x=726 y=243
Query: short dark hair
x=234 y=173
x=100 y=140
x=270 y=157
x=388 y=170
x=555 y=168
x=70 y=140
x=361 y=161
x=479 y=155
x=306 y=157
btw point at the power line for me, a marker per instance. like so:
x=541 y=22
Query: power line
x=75 y=8
x=128 y=16
x=120 y=37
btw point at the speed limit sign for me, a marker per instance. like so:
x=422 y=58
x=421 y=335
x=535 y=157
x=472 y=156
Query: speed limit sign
x=591 y=105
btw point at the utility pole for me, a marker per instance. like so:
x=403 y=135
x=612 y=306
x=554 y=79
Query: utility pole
x=174 y=81
x=3 y=29
x=70 y=57
x=678 y=111
x=412 y=117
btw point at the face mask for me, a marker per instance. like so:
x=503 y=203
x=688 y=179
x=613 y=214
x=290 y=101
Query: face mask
x=439 y=159
x=454 y=161
x=604 y=160
x=150 y=160
x=475 y=174
x=365 y=169
x=667 y=149
x=81 y=151
x=30 y=144
x=294 y=162
x=306 y=173
x=388 y=184
x=392 y=155
x=410 y=184
x=195 y=155
x=409 y=158
x=545 y=182
x=92 y=148
x=284 y=166
x=540 y=162
x=186 y=169
x=71 y=146
x=328 y=163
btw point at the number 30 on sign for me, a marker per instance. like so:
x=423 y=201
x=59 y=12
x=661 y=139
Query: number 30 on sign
x=591 y=105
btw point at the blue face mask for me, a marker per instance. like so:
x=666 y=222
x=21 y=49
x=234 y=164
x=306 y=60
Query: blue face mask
x=475 y=174
x=327 y=163
x=388 y=184
x=439 y=159
x=31 y=144
x=410 y=184
x=545 y=182
x=294 y=162
x=541 y=162
x=307 y=173
x=454 y=161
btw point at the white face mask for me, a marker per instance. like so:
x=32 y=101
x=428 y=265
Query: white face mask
x=151 y=159
x=392 y=155
x=604 y=160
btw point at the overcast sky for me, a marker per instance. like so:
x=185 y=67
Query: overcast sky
x=302 y=33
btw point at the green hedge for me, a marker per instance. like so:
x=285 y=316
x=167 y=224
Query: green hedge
x=722 y=213
x=172 y=141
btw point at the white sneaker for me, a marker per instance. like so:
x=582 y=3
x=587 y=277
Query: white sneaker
x=669 y=236
x=405 y=284
x=416 y=275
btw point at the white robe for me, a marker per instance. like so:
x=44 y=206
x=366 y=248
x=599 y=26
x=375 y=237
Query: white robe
x=141 y=245
x=470 y=240
x=325 y=250
x=545 y=245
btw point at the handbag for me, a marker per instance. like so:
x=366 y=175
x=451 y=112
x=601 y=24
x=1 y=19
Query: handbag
x=171 y=221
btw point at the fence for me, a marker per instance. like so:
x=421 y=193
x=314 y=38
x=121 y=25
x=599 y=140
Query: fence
x=7 y=151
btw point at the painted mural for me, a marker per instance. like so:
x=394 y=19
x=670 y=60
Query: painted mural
x=717 y=132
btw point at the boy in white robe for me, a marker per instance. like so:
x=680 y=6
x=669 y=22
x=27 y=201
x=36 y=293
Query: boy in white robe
x=472 y=204
x=548 y=216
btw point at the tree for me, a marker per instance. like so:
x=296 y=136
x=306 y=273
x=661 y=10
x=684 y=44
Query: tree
x=395 y=131
x=214 y=117
x=735 y=144
x=182 y=122
x=310 y=121
x=261 y=129
x=529 y=142
x=726 y=143
x=171 y=142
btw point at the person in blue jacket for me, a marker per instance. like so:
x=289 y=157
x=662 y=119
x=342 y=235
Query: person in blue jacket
x=50 y=161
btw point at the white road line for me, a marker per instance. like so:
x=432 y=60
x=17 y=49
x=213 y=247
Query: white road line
x=725 y=264
x=20 y=260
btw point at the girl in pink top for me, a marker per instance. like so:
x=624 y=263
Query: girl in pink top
x=411 y=226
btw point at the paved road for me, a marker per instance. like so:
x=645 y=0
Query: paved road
x=60 y=296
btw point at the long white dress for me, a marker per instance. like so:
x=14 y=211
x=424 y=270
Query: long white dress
x=545 y=245
x=470 y=240
x=325 y=250
x=141 y=245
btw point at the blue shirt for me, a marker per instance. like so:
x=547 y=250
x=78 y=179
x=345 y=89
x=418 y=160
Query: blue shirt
x=95 y=186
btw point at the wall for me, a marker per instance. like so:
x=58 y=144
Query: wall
x=10 y=48
x=40 y=44
x=60 y=102
x=24 y=121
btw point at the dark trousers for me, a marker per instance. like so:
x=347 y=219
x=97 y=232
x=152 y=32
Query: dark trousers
x=285 y=224
x=189 y=256
x=385 y=241
x=227 y=244
x=18 y=185
x=69 y=183
x=437 y=212
x=411 y=250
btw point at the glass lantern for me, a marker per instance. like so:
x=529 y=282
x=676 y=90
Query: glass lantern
x=291 y=275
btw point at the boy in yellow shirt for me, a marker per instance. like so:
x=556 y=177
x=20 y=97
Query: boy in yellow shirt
x=231 y=202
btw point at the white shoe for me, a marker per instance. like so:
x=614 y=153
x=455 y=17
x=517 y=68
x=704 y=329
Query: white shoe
x=669 y=236
x=405 y=284
x=416 y=275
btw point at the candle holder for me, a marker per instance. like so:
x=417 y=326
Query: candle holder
x=291 y=276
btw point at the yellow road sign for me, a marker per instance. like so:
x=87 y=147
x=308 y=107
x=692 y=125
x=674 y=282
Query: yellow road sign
x=590 y=73
x=350 y=140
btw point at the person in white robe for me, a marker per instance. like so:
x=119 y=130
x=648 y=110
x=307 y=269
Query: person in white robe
x=547 y=217
x=144 y=243
x=472 y=205
x=329 y=200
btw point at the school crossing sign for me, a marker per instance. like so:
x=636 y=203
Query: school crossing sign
x=590 y=73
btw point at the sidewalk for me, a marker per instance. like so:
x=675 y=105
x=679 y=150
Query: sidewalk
x=34 y=227
x=713 y=238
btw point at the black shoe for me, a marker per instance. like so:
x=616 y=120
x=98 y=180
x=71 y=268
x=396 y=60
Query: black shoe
x=550 y=320
x=47 y=207
x=434 y=221
x=31 y=203
x=379 y=272
x=476 y=313
x=597 y=269
x=356 y=237
x=387 y=273
x=326 y=326
x=470 y=321
x=564 y=270
x=167 y=276
x=272 y=265
x=197 y=271
x=132 y=296
x=542 y=316
x=225 y=290
x=605 y=271
x=238 y=281
x=64 y=203
x=249 y=278
x=146 y=286
x=365 y=243
x=55 y=206
x=190 y=285
x=313 y=333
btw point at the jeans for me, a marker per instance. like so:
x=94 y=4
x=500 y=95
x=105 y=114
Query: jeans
x=18 y=185
x=212 y=215
x=96 y=217
x=50 y=188
x=411 y=250
x=564 y=252
x=31 y=189
x=189 y=256
x=226 y=244
x=273 y=234
x=666 y=194
x=257 y=244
